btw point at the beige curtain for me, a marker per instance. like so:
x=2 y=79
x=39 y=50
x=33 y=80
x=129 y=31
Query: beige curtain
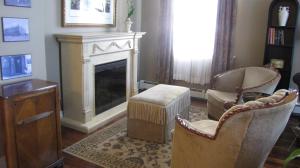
x=223 y=59
x=165 y=51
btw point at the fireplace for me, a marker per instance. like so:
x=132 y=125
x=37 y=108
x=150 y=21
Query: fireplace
x=110 y=85
x=99 y=75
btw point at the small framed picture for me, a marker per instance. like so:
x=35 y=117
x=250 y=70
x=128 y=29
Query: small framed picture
x=16 y=66
x=15 y=29
x=18 y=3
x=277 y=63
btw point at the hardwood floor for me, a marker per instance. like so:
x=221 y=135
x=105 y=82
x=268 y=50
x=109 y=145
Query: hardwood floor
x=284 y=146
x=281 y=150
x=70 y=137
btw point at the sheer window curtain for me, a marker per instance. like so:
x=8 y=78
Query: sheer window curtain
x=194 y=28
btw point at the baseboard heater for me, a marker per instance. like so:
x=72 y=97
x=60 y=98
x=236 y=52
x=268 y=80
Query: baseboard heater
x=195 y=93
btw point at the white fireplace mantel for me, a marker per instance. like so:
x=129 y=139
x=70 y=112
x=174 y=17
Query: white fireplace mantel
x=80 y=53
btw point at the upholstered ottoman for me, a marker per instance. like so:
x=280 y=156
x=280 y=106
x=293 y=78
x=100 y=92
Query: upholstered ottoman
x=151 y=114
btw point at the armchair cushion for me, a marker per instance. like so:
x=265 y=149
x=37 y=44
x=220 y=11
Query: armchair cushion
x=218 y=98
x=206 y=126
x=216 y=101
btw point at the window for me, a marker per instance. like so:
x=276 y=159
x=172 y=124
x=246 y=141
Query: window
x=193 y=41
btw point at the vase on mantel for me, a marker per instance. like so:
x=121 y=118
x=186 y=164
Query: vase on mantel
x=128 y=25
x=283 y=15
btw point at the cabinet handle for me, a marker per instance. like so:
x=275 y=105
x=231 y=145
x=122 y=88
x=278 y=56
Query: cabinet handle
x=35 y=118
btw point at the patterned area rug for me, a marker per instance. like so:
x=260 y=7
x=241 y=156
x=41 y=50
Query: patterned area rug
x=111 y=148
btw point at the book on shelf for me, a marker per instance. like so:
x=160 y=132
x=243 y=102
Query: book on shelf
x=276 y=37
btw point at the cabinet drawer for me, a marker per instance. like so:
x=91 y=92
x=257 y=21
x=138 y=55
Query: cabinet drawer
x=36 y=132
x=37 y=143
x=34 y=108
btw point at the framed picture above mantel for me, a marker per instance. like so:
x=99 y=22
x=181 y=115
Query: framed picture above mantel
x=93 y=13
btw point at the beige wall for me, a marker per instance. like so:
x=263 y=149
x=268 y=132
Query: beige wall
x=36 y=45
x=250 y=35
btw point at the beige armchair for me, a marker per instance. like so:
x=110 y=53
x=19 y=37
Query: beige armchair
x=242 y=138
x=227 y=87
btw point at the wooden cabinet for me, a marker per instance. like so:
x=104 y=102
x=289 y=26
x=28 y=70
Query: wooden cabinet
x=30 y=125
x=280 y=39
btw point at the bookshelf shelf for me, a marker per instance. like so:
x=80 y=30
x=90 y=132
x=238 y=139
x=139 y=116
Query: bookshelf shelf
x=280 y=39
x=280 y=46
x=284 y=27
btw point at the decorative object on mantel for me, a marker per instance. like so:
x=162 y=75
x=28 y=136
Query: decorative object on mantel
x=131 y=10
x=128 y=25
x=283 y=15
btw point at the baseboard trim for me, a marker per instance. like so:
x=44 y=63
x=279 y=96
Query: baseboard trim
x=199 y=94
x=144 y=84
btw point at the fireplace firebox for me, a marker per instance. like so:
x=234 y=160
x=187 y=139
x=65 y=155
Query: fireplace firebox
x=110 y=85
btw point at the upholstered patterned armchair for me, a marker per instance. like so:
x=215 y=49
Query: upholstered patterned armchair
x=242 y=138
x=227 y=87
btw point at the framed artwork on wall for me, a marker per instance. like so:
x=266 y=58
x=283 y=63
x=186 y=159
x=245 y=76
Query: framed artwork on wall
x=92 y=13
x=15 y=29
x=18 y=3
x=15 y=66
x=277 y=63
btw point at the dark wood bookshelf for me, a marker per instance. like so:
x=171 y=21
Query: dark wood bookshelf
x=280 y=39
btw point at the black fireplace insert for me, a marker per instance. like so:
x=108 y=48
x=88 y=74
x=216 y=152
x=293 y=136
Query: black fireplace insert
x=110 y=85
